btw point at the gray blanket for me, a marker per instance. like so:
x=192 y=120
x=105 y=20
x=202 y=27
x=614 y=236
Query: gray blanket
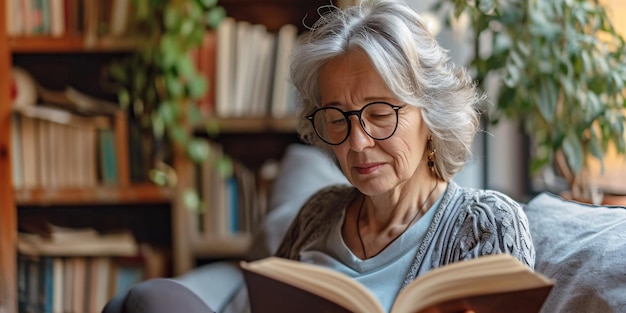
x=584 y=248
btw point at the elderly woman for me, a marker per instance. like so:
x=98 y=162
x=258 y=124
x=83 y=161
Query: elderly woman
x=383 y=99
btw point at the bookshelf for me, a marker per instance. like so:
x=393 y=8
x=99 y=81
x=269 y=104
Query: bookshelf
x=41 y=203
x=251 y=140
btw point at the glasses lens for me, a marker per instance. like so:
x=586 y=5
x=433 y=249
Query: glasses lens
x=379 y=120
x=331 y=125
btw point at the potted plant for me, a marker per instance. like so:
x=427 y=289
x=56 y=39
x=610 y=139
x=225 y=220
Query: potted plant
x=160 y=84
x=560 y=68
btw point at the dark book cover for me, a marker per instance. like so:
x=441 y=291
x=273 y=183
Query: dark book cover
x=267 y=295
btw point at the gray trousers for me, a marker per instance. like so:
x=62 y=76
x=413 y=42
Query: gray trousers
x=159 y=295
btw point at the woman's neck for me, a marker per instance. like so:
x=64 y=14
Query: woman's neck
x=397 y=208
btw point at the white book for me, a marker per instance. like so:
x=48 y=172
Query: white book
x=260 y=90
x=16 y=152
x=287 y=36
x=57 y=18
x=29 y=145
x=119 y=17
x=57 y=285
x=247 y=49
x=225 y=66
x=14 y=21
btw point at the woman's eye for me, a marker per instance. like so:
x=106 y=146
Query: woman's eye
x=339 y=121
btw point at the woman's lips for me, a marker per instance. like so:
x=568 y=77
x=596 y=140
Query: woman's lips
x=369 y=168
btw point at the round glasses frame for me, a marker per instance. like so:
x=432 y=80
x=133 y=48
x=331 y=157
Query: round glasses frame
x=358 y=113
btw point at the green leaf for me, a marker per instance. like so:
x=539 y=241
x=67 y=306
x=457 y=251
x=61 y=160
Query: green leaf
x=224 y=166
x=194 y=116
x=215 y=16
x=186 y=28
x=212 y=128
x=486 y=6
x=140 y=79
x=171 y=17
x=123 y=97
x=179 y=134
x=546 y=100
x=158 y=177
x=185 y=66
x=208 y=3
x=198 y=149
x=169 y=50
x=158 y=125
x=512 y=75
x=537 y=164
x=142 y=9
x=194 y=12
x=167 y=112
x=191 y=200
x=174 y=86
x=595 y=146
x=197 y=87
x=618 y=81
x=573 y=150
x=502 y=42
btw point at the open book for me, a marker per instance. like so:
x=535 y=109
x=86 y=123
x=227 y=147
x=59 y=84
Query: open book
x=494 y=283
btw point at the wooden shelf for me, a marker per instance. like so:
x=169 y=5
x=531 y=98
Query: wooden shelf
x=257 y=125
x=70 y=44
x=145 y=193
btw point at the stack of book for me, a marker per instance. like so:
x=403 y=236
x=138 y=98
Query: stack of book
x=74 y=270
x=66 y=138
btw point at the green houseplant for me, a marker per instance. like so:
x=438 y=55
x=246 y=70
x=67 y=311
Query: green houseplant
x=560 y=68
x=160 y=85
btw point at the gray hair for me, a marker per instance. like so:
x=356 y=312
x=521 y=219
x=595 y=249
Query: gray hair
x=410 y=61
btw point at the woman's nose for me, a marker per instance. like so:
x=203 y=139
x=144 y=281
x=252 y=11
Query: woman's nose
x=359 y=139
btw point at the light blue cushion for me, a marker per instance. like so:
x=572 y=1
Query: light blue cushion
x=583 y=247
x=303 y=171
x=215 y=283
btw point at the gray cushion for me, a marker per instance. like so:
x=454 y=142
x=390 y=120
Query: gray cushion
x=583 y=247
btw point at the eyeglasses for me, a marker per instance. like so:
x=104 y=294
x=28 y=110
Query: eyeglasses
x=379 y=120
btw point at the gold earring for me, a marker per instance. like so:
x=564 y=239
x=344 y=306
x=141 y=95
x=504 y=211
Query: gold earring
x=431 y=154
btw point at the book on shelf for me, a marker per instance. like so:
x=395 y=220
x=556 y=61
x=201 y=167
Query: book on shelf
x=74 y=284
x=79 y=243
x=57 y=233
x=252 y=66
x=48 y=123
x=44 y=157
x=493 y=283
x=283 y=90
x=204 y=58
x=74 y=100
x=225 y=68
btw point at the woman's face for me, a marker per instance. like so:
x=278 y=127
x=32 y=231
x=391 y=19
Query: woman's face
x=373 y=166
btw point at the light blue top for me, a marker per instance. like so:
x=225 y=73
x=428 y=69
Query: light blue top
x=466 y=224
x=382 y=274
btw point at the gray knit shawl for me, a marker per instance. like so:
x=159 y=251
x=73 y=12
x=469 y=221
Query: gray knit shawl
x=468 y=223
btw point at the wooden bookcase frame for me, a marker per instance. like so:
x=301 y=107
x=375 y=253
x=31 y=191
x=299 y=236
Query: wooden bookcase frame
x=8 y=219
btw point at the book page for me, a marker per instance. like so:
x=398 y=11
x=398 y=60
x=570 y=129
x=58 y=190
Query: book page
x=491 y=274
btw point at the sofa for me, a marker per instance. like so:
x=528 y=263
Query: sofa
x=582 y=247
